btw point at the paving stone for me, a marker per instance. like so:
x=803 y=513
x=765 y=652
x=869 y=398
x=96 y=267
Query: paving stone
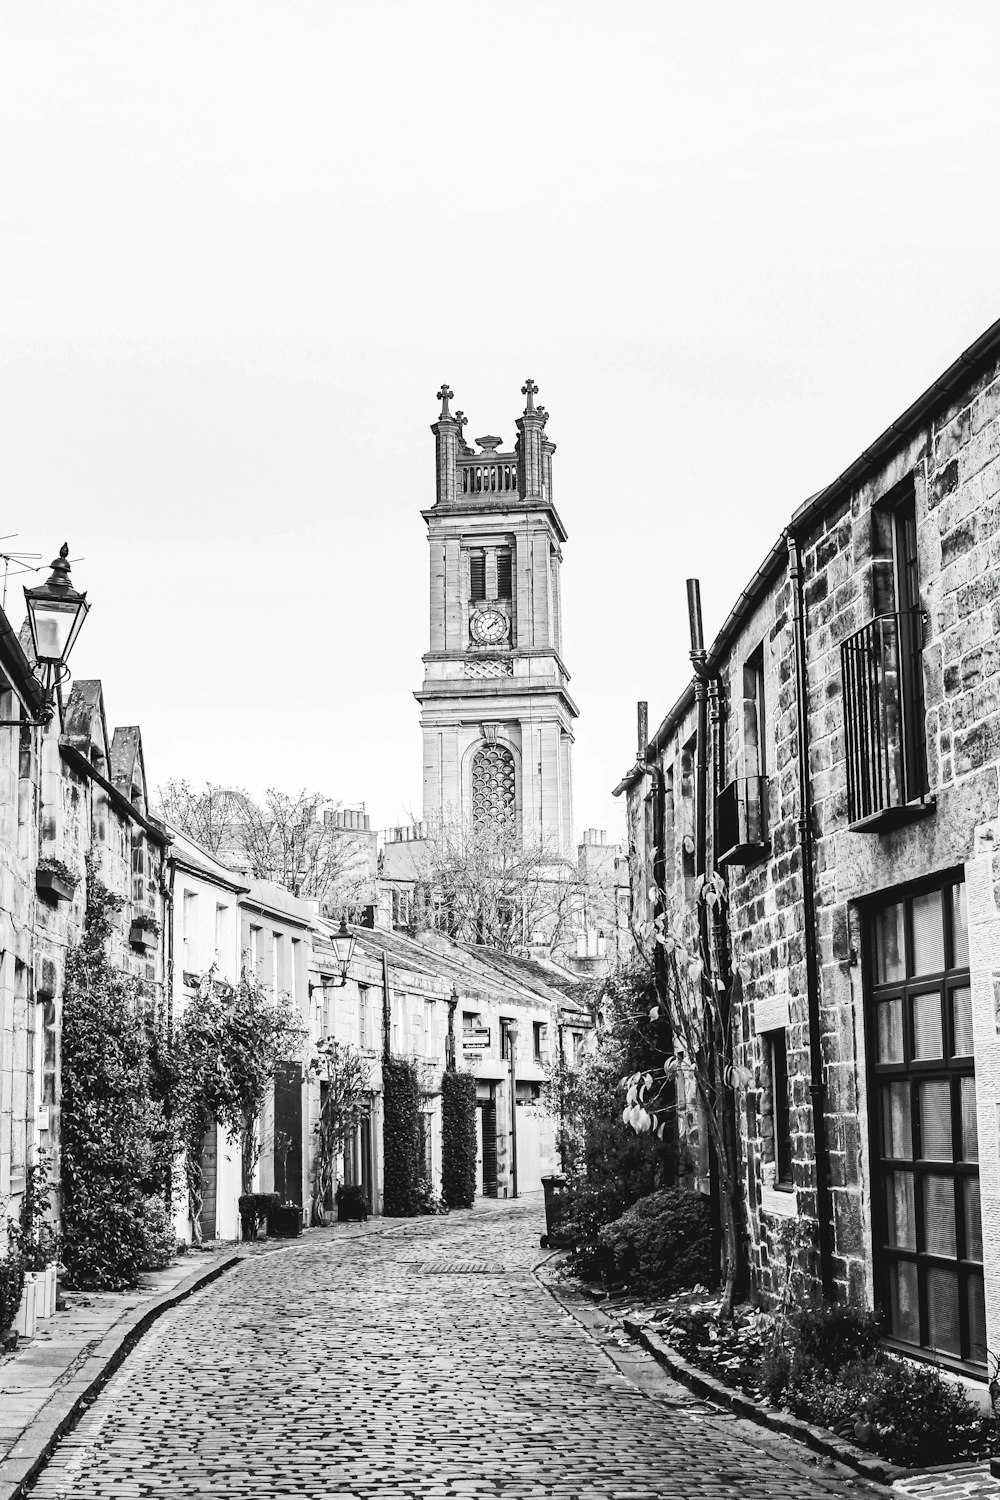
x=344 y=1367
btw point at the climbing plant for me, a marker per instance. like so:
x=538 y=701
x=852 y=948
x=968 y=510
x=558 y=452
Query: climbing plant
x=458 y=1139
x=110 y=1120
x=402 y=1166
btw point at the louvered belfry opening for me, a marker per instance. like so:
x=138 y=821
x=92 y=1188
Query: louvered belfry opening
x=493 y=790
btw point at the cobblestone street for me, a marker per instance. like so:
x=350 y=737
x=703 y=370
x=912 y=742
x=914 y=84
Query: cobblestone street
x=422 y=1361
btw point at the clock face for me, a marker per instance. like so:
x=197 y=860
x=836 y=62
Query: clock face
x=488 y=627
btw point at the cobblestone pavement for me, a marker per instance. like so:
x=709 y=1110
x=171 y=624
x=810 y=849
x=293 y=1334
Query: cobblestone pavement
x=425 y=1361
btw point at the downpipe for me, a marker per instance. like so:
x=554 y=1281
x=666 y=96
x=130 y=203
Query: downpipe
x=817 y=1086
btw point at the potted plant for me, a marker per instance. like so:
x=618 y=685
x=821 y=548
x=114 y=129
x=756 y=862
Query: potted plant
x=145 y=930
x=352 y=1203
x=254 y=1209
x=55 y=881
x=284 y=1221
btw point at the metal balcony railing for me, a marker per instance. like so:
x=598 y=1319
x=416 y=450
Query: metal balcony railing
x=882 y=675
x=741 y=821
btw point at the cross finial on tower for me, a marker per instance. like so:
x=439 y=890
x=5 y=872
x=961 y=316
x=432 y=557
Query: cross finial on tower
x=461 y=419
x=529 y=389
x=444 y=395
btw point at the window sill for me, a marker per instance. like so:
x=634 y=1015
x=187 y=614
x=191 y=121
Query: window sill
x=780 y=1202
x=888 y=818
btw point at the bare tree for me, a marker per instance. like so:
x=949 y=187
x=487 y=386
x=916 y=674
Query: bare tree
x=291 y=839
x=487 y=886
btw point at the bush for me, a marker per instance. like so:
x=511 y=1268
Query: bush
x=835 y=1335
x=254 y=1209
x=906 y=1413
x=352 y=1201
x=458 y=1139
x=159 y=1236
x=11 y=1286
x=427 y=1201
x=662 y=1243
x=402 y=1167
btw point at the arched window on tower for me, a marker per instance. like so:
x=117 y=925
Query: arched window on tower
x=493 y=797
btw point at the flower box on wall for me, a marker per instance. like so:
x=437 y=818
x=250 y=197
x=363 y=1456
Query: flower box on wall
x=55 y=881
x=144 y=932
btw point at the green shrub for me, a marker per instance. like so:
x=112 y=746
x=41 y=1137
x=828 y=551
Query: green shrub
x=835 y=1335
x=160 y=1237
x=906 y=1413
x=662 y=1243
x=254 y=1209
x=11 y=1286
x=427 y=1200
x=402 y=1167
x=458 y=1139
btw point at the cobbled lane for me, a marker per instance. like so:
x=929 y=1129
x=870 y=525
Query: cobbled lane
x=423 y=1361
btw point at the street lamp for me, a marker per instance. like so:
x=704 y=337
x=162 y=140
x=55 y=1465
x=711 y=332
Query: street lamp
x=56 y=612
x=512 y=1046
x=450 y=1059
x=343 y=947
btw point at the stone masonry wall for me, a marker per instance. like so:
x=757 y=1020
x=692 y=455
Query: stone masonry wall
x=954 y=467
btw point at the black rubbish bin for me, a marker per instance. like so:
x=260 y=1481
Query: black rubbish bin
x=558 y=1206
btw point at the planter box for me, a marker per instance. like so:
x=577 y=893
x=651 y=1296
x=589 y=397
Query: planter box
x=24 y=1321
x=53 y=886
x=141 y=936
x=284 y=1223
x=352 y=1212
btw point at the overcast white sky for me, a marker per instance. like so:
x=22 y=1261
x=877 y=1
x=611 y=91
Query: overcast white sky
x=242 y=245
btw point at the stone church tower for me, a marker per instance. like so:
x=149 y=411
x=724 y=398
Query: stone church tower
x=495 y=708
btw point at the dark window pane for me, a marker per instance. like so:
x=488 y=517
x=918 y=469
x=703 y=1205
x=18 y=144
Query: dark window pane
x=961 y=1014
x=935 y=1120
x=889 y=950
x=942 y=1311
x=904 y=1310
x=503 y=575
x=939 y=1215
x=959 y=927
x=901 y=1225
x=897 y=1134
x=477 y=572
x=928 y=934
x=973 y=1219
x=970 y=1128
x=890 y=1030
x=977 y=1319
x=927 y=1038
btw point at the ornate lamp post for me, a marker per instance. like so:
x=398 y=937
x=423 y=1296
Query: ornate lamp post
x=56 y=612
x=343 y=948
x=512 y=1045
x=450 y=1060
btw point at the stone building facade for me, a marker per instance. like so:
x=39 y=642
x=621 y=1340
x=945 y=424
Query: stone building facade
x=837 y=757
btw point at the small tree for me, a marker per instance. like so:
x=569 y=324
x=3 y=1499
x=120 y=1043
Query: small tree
x=693 y=993
x=345 y=1087
x=228 y=1043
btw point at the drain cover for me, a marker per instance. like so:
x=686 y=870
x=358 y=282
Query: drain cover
x=462 y=1268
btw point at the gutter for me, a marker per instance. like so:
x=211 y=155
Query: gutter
x=18 y=668
x=86 y=767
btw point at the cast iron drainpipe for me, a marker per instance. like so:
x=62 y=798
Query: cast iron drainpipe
x=702 y=677
x=817 y=1088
